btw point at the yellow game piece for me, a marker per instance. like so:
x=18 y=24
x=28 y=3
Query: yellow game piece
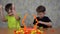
x=40 y=31
x=33 y=32
x=17 y=31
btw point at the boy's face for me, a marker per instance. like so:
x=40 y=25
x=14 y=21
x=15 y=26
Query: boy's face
x=41 y=14
x=10 y=12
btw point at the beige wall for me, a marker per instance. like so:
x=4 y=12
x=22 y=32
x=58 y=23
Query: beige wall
x=23 y=6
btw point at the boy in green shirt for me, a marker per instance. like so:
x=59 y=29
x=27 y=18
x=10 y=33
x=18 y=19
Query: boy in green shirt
x=12 y=18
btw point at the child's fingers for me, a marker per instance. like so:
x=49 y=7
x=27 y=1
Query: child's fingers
x=0 y=6
x=13 y=7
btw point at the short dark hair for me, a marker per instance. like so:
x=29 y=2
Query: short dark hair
x=40 y=8
x=8 y=6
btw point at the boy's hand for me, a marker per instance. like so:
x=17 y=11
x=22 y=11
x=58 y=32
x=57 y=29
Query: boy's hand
x=13 y=7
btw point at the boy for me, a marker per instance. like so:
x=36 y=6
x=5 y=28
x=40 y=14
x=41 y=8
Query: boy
x=43 y=21
x=12 y=18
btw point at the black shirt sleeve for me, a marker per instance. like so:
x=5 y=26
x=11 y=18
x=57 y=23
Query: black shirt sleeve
x=46 y=19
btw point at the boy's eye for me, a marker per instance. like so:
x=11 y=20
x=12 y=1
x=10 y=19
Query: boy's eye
x=10 y=8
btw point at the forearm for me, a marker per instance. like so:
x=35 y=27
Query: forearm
x=15 y=14
x=1 y=11
x=2 y=16
x=47 y=23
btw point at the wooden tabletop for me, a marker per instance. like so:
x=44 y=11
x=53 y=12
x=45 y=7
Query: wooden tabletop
x=49 y=31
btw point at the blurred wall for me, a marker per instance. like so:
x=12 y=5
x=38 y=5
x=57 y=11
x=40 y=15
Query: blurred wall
x=29 y=6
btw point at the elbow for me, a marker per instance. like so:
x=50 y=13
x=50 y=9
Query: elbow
x=4 y=20
x=18 y=18
x=50 y=25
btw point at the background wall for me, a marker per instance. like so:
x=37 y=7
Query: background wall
x=29 y=6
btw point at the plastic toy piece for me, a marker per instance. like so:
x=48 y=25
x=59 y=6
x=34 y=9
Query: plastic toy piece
x=26 y=30
x=24 y=20
x=35 y=26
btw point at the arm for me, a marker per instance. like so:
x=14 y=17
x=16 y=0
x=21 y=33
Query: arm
x=46 y=23
x=15 y=13
x=2 y=15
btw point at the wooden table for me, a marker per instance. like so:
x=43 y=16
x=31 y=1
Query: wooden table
x=10 y=31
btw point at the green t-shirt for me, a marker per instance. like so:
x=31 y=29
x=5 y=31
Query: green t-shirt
x=12 y=22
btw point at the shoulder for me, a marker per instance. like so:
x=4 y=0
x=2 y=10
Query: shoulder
x=47 y=19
